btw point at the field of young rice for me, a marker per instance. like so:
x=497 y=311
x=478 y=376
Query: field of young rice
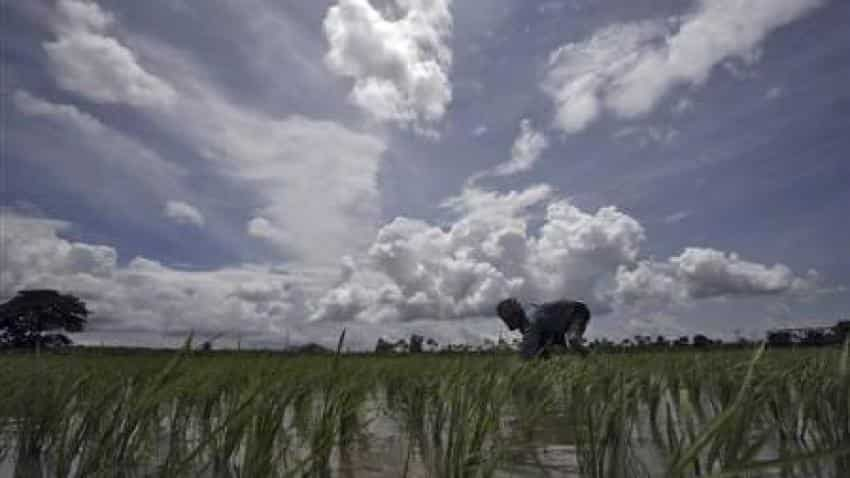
x=748 y=413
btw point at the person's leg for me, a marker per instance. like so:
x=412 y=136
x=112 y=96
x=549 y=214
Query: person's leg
x=581 y=317
x=578 y=325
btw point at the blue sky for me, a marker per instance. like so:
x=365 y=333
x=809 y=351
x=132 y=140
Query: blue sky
x=279 y=170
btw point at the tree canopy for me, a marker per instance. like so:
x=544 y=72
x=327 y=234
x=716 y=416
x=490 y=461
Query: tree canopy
x=26 y=317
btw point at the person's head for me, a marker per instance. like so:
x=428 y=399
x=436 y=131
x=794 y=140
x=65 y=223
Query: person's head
x=512 y=314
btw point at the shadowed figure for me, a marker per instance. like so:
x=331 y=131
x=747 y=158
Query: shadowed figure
x=550 y=324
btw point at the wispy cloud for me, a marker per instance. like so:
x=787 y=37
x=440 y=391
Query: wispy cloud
x=526 y=150
x=281 y=160
x=677 y=217
x=626 y=69
x=86 y=60
x=774 y=93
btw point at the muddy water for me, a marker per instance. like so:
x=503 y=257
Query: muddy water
x=384 y=452
x=549 y=450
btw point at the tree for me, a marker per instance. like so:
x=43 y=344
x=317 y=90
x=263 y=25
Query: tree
x=383 y=346
x=701 y=340
x=780 y=338
x=26 y=317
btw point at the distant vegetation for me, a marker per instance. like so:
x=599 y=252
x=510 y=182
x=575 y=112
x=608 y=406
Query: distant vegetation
x=30 y=318
x=801 y=337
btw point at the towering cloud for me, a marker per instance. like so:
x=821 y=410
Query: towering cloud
x=399 y=58
x=418 y=270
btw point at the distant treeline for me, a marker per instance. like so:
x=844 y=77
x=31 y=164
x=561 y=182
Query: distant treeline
x=808 y=337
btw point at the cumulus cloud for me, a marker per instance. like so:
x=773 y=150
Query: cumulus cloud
x=626 y=69
x=145 y=296
x=86 y=60
x=418 y=270
x=531 y=244
x=147 y=303
x=31 y=249
x=183 y=213
x=699 y=273
x=399 y=58
x=526 y=150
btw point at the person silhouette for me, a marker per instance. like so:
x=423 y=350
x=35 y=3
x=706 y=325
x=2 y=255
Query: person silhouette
x=550 y=324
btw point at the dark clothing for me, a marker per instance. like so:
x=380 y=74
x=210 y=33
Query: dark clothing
x=551 y=322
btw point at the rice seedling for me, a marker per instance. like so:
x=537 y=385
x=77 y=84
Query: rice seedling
x=715 y=413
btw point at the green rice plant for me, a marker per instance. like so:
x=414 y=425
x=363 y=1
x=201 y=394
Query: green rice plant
x=684 y=414
x=604 y=412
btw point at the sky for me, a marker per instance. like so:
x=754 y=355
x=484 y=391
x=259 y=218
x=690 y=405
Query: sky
x=271 y=172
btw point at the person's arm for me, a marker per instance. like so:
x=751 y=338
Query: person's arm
x=532 y=342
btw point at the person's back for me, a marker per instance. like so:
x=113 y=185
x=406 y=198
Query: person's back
x=550 y=323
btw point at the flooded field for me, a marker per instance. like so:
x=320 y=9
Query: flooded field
x=742 y=413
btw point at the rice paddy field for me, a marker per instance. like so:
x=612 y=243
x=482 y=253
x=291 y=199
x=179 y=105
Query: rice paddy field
x=741 y=413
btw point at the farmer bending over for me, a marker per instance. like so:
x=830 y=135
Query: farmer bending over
x=550 y=323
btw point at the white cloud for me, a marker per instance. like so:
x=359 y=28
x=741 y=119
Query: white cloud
x=415 y=275
x=104 y=151
x=399 y=59
x=145 y=296
x=68 y=114
x=319 y=198
x=147 y=303
x=643 y=136
x=699 y=273
x=548 y=8
x=86 y=60
x=526 y=150
x=581 y=75
x=480 y=130
x=31 y=249
x=183 y=213
x=626 y=69
x=677 y=217
x=283 y=161
x=774 y=93
x=683 y=106
x=417 y=270
x=262 y=228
